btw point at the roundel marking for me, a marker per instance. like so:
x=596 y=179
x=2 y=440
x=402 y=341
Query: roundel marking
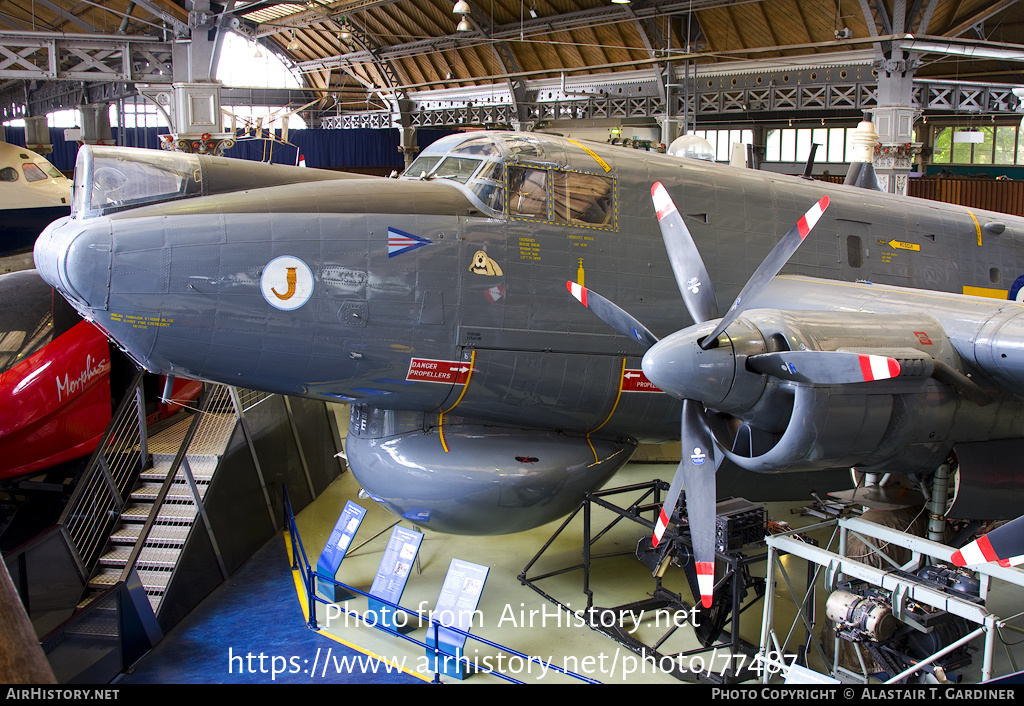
x=286 y=283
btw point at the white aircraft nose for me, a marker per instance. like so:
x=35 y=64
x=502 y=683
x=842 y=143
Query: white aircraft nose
x=74 y=258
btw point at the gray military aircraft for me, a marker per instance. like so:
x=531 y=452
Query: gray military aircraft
x=485 y=399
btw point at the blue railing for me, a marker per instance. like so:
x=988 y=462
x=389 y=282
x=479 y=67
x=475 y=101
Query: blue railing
x=310 y=576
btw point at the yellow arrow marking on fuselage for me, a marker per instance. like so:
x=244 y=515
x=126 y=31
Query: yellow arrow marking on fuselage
x=900 y=245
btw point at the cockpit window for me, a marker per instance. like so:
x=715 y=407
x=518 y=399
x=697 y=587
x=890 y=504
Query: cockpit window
x=475 y=161
x=8 y=174
x=528 y=192
x=581 y=199
x=32 y=172
x=422 y=166
x=560 y=196
x=524 y=147
x=488 y=185
x=483 y=146
x=458 y=168
x=524 y=176
x=115 y=178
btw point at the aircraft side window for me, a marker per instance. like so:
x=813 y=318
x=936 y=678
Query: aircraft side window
x=854 y=254
x=527 y=192
x=488 y=185
x=8 y=174
x=581 y=199
x=32 y=172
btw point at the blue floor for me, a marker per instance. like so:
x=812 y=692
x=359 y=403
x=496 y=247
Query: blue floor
x=251 y=631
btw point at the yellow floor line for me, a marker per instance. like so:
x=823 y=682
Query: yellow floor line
x=300 y=590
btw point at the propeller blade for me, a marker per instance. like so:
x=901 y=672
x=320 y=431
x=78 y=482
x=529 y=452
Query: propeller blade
x=612 y=315
x=687 y=264
x=1004 y=545
x=770 y=267
x=824 y=367
x=696 y=471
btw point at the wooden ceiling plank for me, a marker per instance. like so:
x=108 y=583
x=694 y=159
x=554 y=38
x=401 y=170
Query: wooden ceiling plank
x=978 y=17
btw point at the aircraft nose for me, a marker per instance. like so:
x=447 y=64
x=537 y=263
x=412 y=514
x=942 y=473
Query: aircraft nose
x=73 y=257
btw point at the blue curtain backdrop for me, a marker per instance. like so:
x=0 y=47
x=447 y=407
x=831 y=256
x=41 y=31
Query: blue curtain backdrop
x=326 y=149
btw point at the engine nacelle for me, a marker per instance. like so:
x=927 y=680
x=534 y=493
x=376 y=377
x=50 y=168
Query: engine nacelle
x=475 y=478
x=906 y=424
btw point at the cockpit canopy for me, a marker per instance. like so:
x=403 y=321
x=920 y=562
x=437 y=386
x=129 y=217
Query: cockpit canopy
x=527 y=177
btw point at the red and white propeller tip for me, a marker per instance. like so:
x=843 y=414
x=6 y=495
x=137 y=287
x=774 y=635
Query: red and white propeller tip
x=663 y=204
x=706 y=581
x=578 y=291
x=810 y=219
x=878 y=367
x=981 y=551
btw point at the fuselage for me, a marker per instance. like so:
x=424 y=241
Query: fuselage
x=445 y=292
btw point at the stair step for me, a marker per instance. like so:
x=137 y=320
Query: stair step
x=149 y=557
x=169 y=513
x=116 y=557
x=201 y=465
x=154 y=580
x=168 y=535
x=105 y=578
x=96 y=626
x=179 y=492
x=202 y=471
x=211 y=437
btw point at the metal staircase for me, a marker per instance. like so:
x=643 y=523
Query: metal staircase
x=155 y=523
x=158 y=522
x=145 y=525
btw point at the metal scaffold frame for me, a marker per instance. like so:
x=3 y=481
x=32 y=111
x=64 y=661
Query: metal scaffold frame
x=834 y=568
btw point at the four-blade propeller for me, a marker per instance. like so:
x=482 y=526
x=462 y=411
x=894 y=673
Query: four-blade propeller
x=669 y=364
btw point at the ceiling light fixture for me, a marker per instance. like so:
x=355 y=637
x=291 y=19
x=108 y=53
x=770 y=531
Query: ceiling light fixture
x=461 y=8
x=620 y=2
x=294 y=44
x=463 y=25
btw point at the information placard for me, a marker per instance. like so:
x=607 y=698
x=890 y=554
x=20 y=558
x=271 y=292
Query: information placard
x=334 y=551
x=456 y=607
x=392 y=575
